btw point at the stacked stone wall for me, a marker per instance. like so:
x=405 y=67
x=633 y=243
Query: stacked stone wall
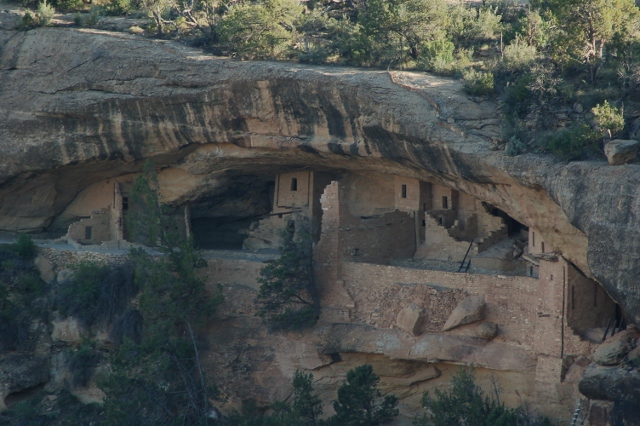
x=380 y=292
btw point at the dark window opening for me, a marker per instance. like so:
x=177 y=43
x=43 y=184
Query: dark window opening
x=404 y=191
x=441 y=221
x=530 y=271
x=445 y=203
x=87 y=232
x=294 y=184
x=335 y=357
x=533 y=239
x=125 y=203
x=424 y=222
x=542 y=246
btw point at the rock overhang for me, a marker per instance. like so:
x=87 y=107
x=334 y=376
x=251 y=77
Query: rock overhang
x=79 y=106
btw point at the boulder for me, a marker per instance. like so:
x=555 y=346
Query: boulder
x=621 y=151
x=470 y=309
x=45 y=268
x=615 y=348
x=487 y=330
x=611 y=384
x=634 y=357
x=66 y=329
x=64 y=275
x=411 y=319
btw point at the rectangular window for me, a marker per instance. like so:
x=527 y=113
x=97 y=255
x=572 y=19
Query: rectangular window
x=542 y=246
x=445 y=203
x=125 y=203
x=404 y=191
x=87 y=232
x=424 y=223
x=294 y=184
x=533 y=239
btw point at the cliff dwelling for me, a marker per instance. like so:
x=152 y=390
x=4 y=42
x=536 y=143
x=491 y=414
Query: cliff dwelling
x=434 y=249
x=400 y=254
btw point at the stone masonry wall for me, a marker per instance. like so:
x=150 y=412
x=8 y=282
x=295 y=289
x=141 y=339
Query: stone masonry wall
x=380 y=292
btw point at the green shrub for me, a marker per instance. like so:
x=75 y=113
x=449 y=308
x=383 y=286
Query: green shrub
x=44 y=14
x=515 y=146
x=359 y=400
x=478 y=83
x=518 y=56
x=82 y=364
x=70 y=5
x=573 y=142
x=28 y=21
x=25 y=247
x=261 y=30
x=608 y=119
x=437 y=55
x=466 y=404
x=117 y=7
x=97 y=293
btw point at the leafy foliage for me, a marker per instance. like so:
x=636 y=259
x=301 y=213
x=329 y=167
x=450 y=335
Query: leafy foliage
x=21 y=296
x=304 y=411
x=573 y=142
x=82 y=364
x=97 y=293
x=262 y=30
x=358 y=401
x=609 y=119
x=478 y=83
x=288 y=296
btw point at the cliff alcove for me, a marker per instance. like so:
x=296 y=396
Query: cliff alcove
x=227 y=136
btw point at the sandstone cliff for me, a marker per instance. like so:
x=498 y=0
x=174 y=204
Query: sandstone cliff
x=78 y=106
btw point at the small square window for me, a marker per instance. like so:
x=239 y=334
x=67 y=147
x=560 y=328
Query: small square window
x=294 y=184
x=404 y=191
x=88 y=232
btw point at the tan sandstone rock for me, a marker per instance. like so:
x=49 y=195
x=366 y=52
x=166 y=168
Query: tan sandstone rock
x=614 y=349
x=411 y=319
x=621 y=151
x=470 y=309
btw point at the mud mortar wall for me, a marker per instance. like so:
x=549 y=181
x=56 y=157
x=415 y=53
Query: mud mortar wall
x=380 y=292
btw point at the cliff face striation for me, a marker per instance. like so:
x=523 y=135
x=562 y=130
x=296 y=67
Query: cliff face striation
x=79 y=106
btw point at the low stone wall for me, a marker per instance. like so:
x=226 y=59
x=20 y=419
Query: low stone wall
x=380 y=292
x=63 y=259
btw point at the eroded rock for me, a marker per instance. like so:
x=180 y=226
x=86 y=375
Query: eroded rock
x=470 y=309
x=487 y=330
x=615 y=348
x=621 y=151
x=611 y=384
x=410 y=319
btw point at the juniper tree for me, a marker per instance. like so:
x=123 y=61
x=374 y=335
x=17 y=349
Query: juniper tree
x=288 y=296
x=359 y=402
